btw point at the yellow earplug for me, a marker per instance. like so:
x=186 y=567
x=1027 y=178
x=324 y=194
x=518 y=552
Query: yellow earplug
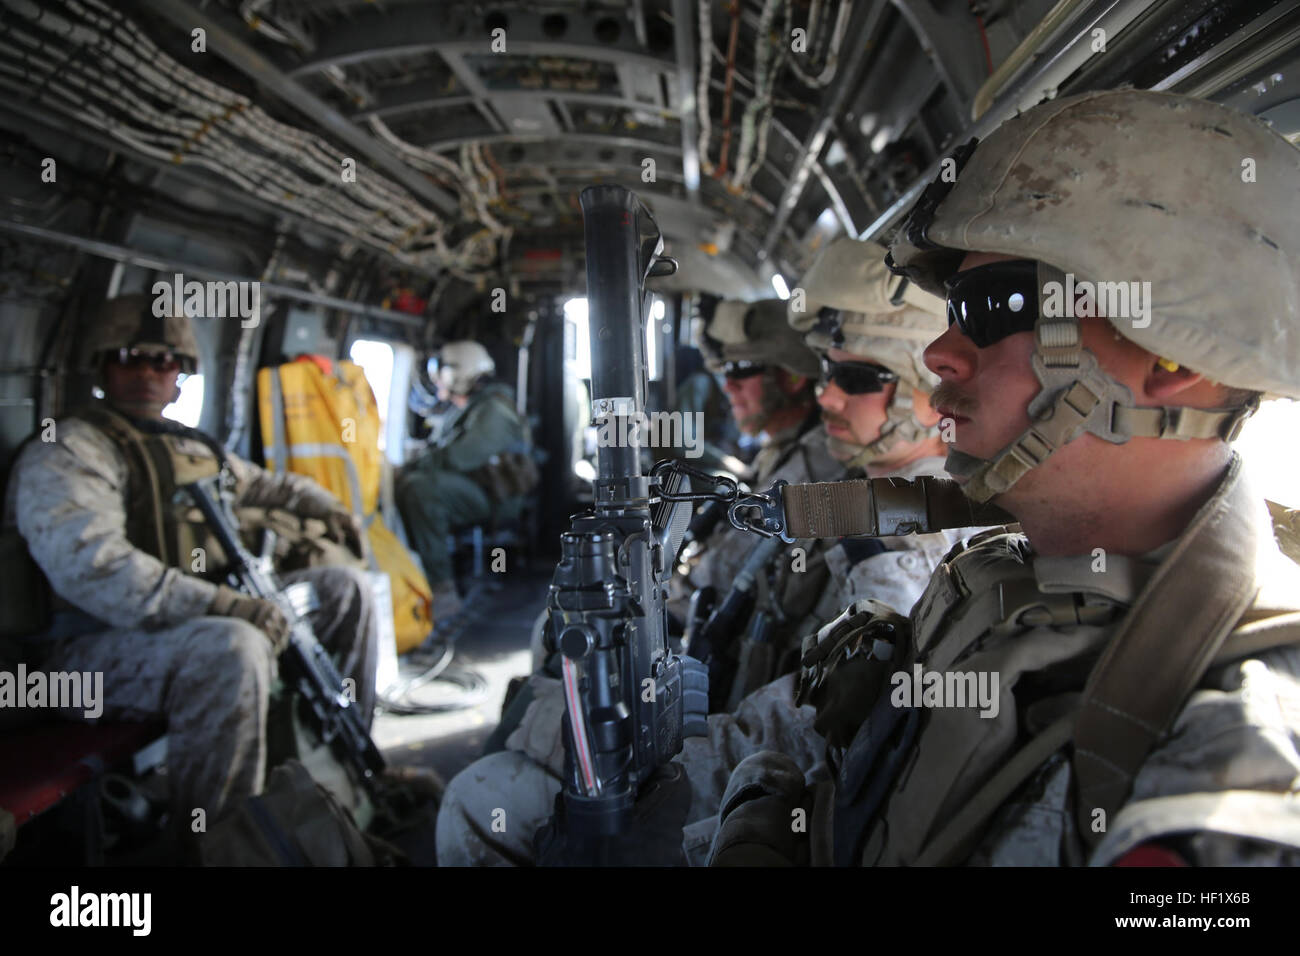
x=1167 y=365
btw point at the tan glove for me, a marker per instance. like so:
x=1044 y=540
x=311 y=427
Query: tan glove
x=264 y=615
x=345 y=528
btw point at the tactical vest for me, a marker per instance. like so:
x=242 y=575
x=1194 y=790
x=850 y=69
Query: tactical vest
x=1088 y=668
x=917 y=764
x=161 y=520
x=888 y=752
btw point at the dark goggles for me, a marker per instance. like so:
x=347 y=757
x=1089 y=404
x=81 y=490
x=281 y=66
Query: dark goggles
x=856 y=378
x=990 y=302
x=742 y=369
x=158 y=361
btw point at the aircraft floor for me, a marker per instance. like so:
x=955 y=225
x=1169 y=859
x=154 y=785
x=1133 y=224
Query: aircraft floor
x=493 y=642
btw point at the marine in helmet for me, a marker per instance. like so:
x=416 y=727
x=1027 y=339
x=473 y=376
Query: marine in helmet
x=1119 y=297
x=850 y=281
x=700 y=392
x=769 y=378
x=869 y=329
x=96 y=501
x=476 y=472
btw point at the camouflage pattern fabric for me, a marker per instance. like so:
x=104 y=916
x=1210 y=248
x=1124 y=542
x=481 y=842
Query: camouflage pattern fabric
x=521 y=781
x=209 y=680
x=1232 y=747
x=68 y=499
x=145 y=625
x=492 y=809
x=726 y=549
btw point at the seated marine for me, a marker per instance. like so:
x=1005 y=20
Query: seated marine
x=137 y=575
x=476 y=472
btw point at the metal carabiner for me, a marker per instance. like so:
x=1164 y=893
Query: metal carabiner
x=672 y=466
x=770 y=520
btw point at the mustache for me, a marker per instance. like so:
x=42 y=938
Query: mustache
x=949 y=396
x=830 y=418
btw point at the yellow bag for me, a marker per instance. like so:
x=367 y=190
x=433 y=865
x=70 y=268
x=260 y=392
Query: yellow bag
x=412 y=598
x=326 y=426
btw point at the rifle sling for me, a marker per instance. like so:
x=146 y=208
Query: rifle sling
x=878 y=507
x=954 y=842
x=1162 y=648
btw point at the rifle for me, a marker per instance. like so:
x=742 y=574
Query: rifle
x=869 y=507
x=704 y=522
x=304 y=661
x=711 y=642
x=629 y=699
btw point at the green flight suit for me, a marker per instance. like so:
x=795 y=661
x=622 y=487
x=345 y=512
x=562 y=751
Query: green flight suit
x=448 y=487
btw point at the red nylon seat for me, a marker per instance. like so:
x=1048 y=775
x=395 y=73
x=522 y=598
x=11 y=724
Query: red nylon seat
x=41 y=765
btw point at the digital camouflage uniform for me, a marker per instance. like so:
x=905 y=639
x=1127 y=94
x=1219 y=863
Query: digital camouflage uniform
x=449 y=487
x=1227 y=768
x=145 y=625
x=758 y=333
x=805 y=460
x=524 y=779
x=1148 y=707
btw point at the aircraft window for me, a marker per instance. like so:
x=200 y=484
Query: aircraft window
x=652 y=338
x=577 y=347
x=1269 y=448
x=376 y=360
x=189 y=406
x=778 y=283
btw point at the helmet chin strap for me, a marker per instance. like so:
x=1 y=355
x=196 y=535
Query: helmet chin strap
x=1076 y=397
x=901 y=426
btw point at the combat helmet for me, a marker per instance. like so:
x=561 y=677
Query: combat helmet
x=849 y=300
x=755 y=335
x=757 y=332
x=130 y=323
x=461 y=364
x=1199 y=200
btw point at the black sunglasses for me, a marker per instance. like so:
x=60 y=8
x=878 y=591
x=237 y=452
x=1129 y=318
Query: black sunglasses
x=158 y=361
x=742 y=369
x=857 y=378
x=990 y=302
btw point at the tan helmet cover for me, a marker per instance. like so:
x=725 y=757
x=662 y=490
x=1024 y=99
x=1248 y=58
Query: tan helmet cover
x=758 y=332
x=129 y=322
x=882 y=316
x=1200 y=200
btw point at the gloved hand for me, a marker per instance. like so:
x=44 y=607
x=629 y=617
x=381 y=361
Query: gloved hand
x=847 y=664
x=264 y=615
x=756 y=822
x=653 y=838
x=345 y=528
x=695 y=697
